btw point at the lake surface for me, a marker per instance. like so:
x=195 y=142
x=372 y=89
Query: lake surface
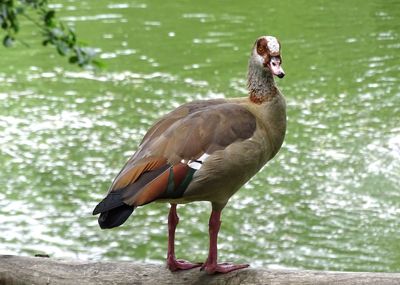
x=329 y=200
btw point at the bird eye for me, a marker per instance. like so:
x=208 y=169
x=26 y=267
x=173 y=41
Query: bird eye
x=273 y=63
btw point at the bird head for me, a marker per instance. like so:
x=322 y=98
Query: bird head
x=267 y=53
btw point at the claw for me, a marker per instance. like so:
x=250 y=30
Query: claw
x=222 y=267
x=180 y=264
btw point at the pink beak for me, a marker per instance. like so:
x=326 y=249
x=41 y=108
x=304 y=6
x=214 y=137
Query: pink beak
x=275 y=67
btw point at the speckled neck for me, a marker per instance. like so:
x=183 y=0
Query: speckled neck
x=260 y=83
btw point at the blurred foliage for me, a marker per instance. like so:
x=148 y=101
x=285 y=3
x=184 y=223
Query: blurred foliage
x=54 y=32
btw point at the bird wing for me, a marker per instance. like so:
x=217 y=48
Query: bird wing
x=143 y=160
x=181 y=137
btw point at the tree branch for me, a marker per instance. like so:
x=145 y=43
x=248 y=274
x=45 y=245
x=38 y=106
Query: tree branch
x=18 y=270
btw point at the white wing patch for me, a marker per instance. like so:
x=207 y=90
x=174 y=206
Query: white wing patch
x=196 y=164
x=273 y=44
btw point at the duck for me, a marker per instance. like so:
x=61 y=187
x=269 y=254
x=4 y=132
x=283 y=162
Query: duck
x=204 y=150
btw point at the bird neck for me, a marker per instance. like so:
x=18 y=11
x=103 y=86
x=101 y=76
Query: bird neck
x=261 y=84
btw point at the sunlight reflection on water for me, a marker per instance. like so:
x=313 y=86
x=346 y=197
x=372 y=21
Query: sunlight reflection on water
x=330 y=198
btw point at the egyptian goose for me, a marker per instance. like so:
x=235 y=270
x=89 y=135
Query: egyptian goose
x=204 y=151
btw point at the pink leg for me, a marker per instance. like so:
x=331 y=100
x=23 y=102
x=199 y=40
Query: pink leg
x=211 y=266
x=172 y=263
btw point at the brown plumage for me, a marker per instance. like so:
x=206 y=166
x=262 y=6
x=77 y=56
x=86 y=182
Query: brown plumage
x=204 y=151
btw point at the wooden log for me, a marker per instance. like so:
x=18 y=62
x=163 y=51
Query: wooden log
x=17 y=270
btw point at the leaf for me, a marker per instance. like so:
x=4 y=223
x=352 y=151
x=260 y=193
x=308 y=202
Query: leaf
x=73 y=59
x=98 y=64
x=8 y=41
x=54 y=31
x=62 y=48
x=15 y=25
x=48 y=18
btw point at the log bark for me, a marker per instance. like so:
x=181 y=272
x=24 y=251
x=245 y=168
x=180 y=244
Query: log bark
x=17 y=270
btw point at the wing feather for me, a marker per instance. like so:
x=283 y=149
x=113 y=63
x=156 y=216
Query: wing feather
x=183 y=135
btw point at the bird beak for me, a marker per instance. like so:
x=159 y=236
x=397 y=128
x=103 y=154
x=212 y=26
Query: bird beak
x=275 y=67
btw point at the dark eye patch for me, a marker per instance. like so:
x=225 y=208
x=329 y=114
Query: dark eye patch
x=262 y=46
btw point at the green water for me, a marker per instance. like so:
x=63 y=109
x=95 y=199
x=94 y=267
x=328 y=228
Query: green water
x=329 y=200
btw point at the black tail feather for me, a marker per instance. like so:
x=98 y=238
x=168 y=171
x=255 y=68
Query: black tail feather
x=115 y=217
x=113 y=211
x=111 y=201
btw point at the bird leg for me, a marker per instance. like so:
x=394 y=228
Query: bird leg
x=172 y=263
x=211 y=266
